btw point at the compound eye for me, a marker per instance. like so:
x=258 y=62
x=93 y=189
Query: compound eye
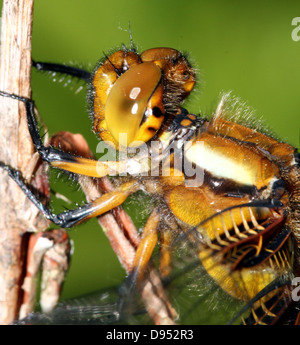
x=177 y=72
x=127 y=101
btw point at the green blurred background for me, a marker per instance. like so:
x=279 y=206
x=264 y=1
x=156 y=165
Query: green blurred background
x=243 y=46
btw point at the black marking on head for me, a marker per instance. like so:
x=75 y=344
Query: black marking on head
x=119 y=73
x=157 y=112
x=179 y=57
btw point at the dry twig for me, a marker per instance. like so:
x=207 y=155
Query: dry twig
x=17 y=214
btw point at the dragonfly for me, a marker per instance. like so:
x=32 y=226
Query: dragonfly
x=225 y=214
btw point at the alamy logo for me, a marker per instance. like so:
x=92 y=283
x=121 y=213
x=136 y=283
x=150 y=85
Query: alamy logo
x=296 y=290
x=296 y=31
x=149 y=160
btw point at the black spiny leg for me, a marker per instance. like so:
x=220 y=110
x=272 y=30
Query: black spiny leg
x=55 y=157
x=71 y=163
x=70 y=218
x=48 y=154
x=69 y=70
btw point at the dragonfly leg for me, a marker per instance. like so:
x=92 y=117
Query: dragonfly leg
x=69 y=218
x=61 y=159
x=146 y=247
x=60 y=68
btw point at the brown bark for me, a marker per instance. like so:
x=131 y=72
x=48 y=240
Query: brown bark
x=17 y=214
